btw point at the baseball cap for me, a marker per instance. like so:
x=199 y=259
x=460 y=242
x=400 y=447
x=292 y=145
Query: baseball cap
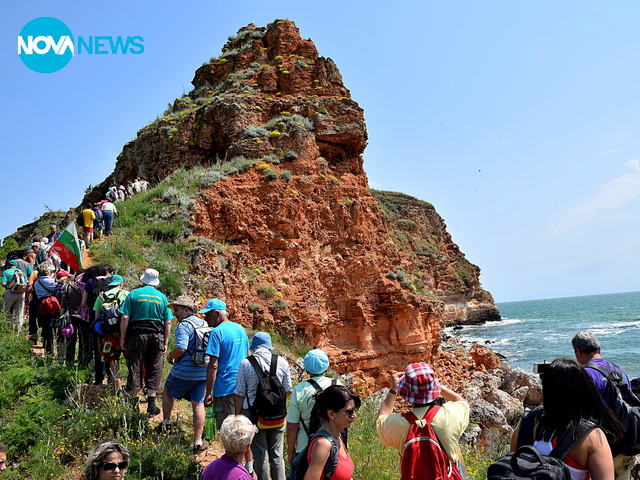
x=214 y=304
x=115 y=280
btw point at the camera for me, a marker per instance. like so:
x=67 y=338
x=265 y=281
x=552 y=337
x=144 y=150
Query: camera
x=540 y=368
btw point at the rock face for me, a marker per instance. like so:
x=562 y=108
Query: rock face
x=301 y=243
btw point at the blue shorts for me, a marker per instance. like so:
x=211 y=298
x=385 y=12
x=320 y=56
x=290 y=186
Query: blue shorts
x=192 y=390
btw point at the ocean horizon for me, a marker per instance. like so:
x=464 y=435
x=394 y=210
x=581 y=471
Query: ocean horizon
x=535 y=331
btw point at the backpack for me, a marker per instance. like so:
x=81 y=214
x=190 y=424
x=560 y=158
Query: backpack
x=300 y=464
x=80 y=219
x=202 y=333
x=270 y=405
x=49 y=306
x=528 y=463
x=110 y=316
x=19 y=283
x=625 y=406
x=423 y=457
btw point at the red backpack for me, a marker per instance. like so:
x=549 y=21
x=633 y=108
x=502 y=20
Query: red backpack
x=423 y=457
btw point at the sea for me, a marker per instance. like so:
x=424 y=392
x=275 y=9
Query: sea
x=535 y=331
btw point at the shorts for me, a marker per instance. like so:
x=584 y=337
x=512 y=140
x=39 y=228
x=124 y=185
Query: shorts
x=87 y=229
x=110 y=348
x=192 y=390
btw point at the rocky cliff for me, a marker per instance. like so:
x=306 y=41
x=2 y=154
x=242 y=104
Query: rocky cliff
x=302 y=244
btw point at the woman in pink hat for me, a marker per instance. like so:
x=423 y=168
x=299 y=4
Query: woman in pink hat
x=418 y=385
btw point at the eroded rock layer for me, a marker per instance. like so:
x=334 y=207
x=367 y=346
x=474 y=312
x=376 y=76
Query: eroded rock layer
x=300 y=243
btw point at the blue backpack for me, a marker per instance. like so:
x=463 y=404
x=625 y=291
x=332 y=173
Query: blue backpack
x=300 y=464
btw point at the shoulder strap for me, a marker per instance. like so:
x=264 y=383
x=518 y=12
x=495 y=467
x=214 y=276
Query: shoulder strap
x=332 y=461
x=273 y=368
x=614 y=376
x=432 y=413
x=256 y=366
x=315 y=385
x=570 y=438
x=334 y=382
x=525 y=435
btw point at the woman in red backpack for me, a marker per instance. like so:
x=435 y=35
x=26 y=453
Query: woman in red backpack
x=336 y=407
x=446 y=412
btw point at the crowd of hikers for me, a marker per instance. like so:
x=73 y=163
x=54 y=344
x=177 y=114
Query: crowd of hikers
x=88 y=318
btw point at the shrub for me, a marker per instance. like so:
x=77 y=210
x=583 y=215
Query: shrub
x=253 y=308
x=274 y=134
x=279 y=304
x=286 y=175
x=267 y=291
x=289 y=156
x=334 y=179
x=253 y=131
x=270 y=175
x=348 y=202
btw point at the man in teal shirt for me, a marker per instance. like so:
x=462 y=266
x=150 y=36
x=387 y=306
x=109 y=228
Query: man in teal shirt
x=145 y=328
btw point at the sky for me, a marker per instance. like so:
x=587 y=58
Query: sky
x=519 y=121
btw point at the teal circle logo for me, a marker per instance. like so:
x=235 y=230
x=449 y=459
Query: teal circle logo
x=45 y=45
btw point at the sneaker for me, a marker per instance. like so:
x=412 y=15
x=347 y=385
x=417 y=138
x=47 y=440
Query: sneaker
x=153 y=410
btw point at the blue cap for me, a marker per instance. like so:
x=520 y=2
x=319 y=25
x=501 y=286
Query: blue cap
x=13 y=263
x=261 y=340
x=115 y=280
x=214 y=304
x=316 y=362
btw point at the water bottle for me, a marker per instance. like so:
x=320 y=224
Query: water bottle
x=210 y=423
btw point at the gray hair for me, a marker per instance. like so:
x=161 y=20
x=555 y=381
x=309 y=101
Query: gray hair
x=236 y=433
x=96 y=458
x=586 y=342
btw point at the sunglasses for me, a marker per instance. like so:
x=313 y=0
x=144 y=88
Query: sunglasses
x=351 y=412
x=108 y=466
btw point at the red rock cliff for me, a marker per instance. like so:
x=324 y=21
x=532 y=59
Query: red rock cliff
x=302 y=244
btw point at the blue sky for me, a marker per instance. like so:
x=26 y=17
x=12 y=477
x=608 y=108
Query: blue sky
x=519 y=121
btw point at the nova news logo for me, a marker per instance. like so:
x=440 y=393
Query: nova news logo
x=46 y=45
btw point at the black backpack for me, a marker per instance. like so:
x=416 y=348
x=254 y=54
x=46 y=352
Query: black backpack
x=625 y=406
x=314 y=420
x=270 y=406
x=527 y=463
x=300 y=464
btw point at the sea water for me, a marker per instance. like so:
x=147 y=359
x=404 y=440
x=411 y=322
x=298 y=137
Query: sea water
x=535 y=331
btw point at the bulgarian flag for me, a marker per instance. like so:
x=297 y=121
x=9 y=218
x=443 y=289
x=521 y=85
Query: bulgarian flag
x=68 y=248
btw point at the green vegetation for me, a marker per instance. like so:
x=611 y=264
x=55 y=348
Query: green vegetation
x=47 y=434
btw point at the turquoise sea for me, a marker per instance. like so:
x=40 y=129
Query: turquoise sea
x=533 y=331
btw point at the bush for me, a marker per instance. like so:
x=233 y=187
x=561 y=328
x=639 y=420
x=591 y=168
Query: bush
x=267 y=291
x=286 y=175
x=253 y=131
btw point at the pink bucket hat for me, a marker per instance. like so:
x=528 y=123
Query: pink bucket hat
x=419 y=384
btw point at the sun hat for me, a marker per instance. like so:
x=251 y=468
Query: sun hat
x=261 y=340
x=115 y=280
x=316 y=362
x=150 y=277
x=184 y=301
x=214 y=304
x=63 y=273
x=419 y=384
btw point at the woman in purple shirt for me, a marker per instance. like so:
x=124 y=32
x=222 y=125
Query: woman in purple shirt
x=236 y=434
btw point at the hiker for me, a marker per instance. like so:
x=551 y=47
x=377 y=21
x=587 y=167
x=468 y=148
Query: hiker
x=53 y=235
x=41 y=254
x=3 y=457
x=87 y=226
x=187 y=379
x=236 y=435
x=23 y=265
x=268 y=444
x=145 y=328
x=15 y=283
x=98 y=221
x=419 y=386
x=45 y=287
x=64 y=328
x=108 y=461
x=71 y=295
x=228 y=345
x=109 y=346
x=316 y=363
x=109 y=211
x=587 y=351
x=96 y=280
x=569 y=398
x=336 y=406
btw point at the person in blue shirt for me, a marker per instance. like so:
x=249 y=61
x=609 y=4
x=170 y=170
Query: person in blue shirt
x=186 y=380
x=228 y=346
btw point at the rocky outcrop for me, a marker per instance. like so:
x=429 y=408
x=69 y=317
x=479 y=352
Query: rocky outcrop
x=298 y=241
